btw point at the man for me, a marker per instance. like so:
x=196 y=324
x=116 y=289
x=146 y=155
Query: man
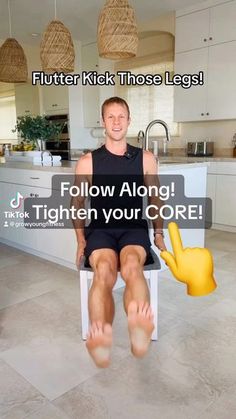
x=111 y=249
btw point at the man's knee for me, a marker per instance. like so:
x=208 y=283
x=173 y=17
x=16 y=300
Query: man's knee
x=131 y=267
x=105 y=272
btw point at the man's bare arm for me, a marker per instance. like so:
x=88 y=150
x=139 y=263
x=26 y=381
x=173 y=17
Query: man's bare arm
x=150 y=168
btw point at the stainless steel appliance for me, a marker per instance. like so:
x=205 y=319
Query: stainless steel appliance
x=200 y=148
x=61 y=145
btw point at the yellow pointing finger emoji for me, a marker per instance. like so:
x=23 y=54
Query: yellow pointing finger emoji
x=193 y=266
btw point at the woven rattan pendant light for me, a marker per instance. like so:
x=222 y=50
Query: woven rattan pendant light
x=117 y=31
x=13 y=64
x=57 y=49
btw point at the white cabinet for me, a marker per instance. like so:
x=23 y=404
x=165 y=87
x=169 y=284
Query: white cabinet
x=216 y=98
x=91 y=94
x=7 y=231
x=225 y=200
x=215 y=28
x=12 y=228
x=222 y=23
x=55 y=99
x=192 y=31
x=221 y=83
x=211 y=193
x=190 y=104
x=26 y=99
x=202 y=28
x=58 y=245
x=221 y=186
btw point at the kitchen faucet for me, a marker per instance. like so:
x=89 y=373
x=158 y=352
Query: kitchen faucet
x=141 y=137
x=146 y=136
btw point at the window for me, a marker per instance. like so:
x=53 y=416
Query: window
x=149 y=102
x=7 y=116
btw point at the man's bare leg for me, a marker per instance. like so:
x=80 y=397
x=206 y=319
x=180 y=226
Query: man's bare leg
x=136 y=299
x=101 y=305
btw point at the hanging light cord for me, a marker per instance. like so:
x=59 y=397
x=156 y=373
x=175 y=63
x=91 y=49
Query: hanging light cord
x=55 y=9
x=9 y=16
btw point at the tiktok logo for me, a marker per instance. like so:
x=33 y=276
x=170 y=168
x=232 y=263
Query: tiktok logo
x=16 y=202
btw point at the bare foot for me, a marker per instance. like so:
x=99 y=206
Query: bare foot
x=99 y=340
x=140 y=324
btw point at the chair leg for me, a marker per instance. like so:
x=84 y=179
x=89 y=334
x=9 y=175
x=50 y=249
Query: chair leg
x=84 y=288
x=154 y=301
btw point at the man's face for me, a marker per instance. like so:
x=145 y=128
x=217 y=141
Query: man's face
x=116 y=121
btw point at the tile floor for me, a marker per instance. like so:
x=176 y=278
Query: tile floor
x=45 y=372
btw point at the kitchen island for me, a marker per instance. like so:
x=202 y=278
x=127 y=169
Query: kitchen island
x=59 y=245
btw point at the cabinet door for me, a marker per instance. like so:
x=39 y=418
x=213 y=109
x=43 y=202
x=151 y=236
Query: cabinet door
x=91 y=102
x=53 y=242
x=192 y=31
x=27 y=99
x=211 y=193
x=222 y=23
x=12 y=228
x=221 y=81
x=190 y=104
x=55 y=99
x=226 y=200
x=7 y=230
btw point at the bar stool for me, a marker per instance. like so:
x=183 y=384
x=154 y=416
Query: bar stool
x=151 y=275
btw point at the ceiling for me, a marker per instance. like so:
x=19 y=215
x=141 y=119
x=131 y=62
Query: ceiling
x=80 y=16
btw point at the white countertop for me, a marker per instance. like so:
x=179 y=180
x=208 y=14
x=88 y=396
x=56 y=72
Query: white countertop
x=187 y=159
x=65 y=167
x=69 y=166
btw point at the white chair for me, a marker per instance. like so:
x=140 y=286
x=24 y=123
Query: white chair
x=151 y=275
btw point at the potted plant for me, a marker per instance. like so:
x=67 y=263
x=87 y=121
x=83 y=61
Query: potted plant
x=35 y=130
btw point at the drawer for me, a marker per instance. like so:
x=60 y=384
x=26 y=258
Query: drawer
x=26 y=177
x=226 y=168
x=212 y=167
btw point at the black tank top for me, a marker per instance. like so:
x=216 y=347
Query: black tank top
x=115 y=170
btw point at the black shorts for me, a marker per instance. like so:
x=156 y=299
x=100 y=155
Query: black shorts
x=116 y=239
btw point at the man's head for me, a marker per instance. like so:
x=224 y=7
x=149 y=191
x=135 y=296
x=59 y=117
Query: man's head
x=117 y=100
x=116 y=118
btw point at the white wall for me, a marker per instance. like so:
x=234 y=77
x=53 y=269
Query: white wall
x=80 y=136
x=219 y=131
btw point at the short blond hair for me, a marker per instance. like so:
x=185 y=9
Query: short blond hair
x=115 y=99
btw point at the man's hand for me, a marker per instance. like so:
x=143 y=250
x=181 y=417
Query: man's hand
x=80 y=252
x=194 y=266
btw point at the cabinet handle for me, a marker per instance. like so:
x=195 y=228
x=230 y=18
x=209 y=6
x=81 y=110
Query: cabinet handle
x=36 y=195
x=54 y=104
x=31 y=194
x=205 y=39
x=207 y=113
x=202 y=114
x=34 y=178
x=26 y=111
x=210 y=39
